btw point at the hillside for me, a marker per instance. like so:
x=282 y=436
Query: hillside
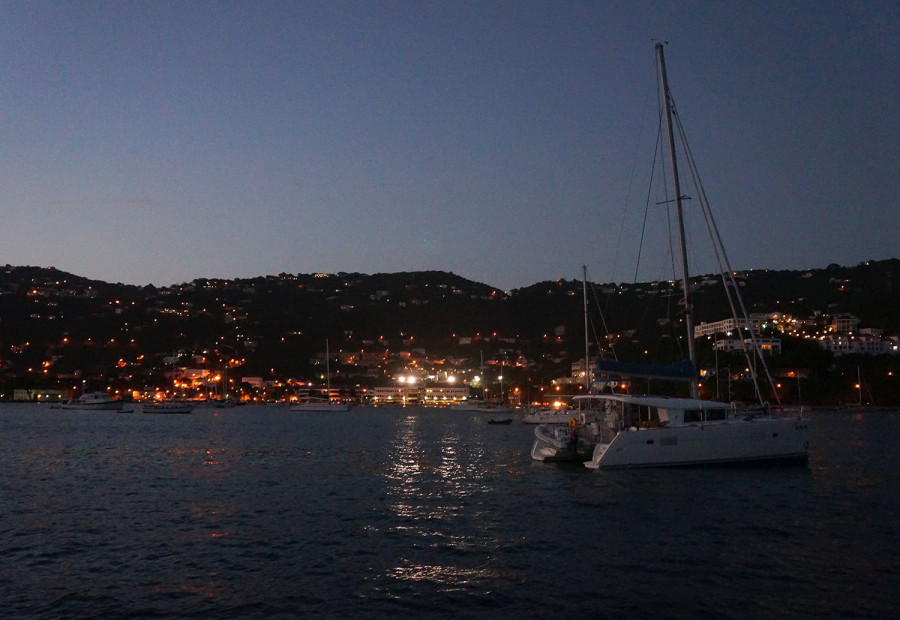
x=58 y=329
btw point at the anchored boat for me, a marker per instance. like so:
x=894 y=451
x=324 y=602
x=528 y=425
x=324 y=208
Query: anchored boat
x=626 y=430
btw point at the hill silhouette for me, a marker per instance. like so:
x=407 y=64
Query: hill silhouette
x=59 y=329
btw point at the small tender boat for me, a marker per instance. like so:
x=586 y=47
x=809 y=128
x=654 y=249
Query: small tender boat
x=557 y=442
x=93 y=401
x=503 y=421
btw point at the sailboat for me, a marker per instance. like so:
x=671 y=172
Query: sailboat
x=560 y=435
x=483 y=405
x=656 y=431
x=221 y=401
x=319 y=403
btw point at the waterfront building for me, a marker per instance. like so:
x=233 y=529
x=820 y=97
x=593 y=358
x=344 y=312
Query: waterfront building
x=727 y=326
x=438 y=394
x=769 y=346
x=860 y=345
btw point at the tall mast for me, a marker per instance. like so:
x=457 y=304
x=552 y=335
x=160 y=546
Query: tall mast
x=484 y=389
x=679 y=213
x=327 y=371
x=587 y=370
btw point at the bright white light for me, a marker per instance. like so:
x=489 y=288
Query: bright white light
x=451 y=379
x=411 y=380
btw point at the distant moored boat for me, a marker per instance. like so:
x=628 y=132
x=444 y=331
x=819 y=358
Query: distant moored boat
x=100 y=401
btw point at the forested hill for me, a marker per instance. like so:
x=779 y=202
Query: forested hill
x=53 y=321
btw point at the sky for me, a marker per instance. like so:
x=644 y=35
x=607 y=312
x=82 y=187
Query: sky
x=153 y=142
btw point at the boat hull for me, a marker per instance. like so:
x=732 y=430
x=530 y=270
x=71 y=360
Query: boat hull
x=730 y=442
x=114 y=406
x=93 y=401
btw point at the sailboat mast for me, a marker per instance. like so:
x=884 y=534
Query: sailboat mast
x=679 y=214
x=327 y=371
x=484 y=389
x=859 y=384
x=587 y=371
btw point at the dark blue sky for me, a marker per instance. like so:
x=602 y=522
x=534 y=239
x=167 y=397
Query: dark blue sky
x=508 y=142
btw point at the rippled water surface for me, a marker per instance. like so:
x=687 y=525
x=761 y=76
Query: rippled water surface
x=262 y=512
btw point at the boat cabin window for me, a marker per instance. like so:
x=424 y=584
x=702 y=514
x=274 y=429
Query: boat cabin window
x=693 y=415
x=716 y=414
x=699 y=415
x=642 y=416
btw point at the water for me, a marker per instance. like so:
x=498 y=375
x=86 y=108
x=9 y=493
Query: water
x=262 y=512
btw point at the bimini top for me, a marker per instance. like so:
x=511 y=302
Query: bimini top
x=679 y=371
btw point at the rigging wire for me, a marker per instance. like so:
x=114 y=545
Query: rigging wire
x=637 y=265
x=631 y=177
x=727 y=273
x=612 y=346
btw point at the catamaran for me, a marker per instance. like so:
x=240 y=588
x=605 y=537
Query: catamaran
x=622 y=430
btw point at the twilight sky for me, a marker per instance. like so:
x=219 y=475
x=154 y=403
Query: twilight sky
x=508 y=142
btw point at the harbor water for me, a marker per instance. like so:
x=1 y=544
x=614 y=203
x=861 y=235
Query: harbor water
x=261 y=512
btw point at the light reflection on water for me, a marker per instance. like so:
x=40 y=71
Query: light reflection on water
x=436 y=482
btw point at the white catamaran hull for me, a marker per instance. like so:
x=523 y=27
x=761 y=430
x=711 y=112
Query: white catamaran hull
x=735 y=441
